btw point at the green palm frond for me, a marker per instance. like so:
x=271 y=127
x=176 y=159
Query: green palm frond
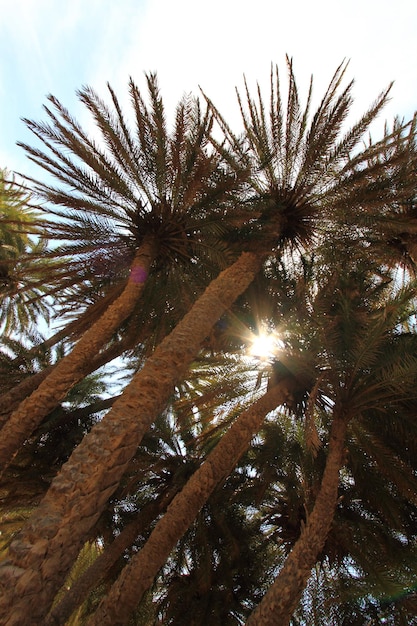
x=133 y=180
x=334 y=596
x=372 y=440
x=306 y=170
x=24 y=270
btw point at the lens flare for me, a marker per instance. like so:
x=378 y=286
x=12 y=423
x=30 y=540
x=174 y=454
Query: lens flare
x=265 y=345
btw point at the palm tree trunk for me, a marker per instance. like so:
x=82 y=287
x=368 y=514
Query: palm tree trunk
x=62 y=417
x=11 y=400
x=41 y=556
x=77 y=594
x=74 y=329
x=70 y=369
x=138 y=576
x=280 y=602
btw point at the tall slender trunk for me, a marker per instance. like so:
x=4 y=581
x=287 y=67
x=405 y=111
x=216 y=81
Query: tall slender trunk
x=77 y=594
x=138 y=576
x=62 y=417
x=70 y=369
x=11 y=400
x=73 y=329
x=40 y=557
x=280 y=602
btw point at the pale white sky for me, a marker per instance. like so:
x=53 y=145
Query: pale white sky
x=55 y=46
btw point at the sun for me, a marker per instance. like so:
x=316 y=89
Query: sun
x=265 y=345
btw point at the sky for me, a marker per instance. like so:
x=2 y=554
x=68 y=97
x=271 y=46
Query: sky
x=57 y=46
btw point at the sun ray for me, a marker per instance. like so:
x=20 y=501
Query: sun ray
x=265 y=345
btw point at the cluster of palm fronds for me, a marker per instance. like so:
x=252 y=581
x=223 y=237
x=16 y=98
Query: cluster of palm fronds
x=191 y=483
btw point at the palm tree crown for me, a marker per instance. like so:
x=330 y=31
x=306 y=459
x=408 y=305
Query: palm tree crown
x=310 y=176
x=134 y=184
x=22 y=269
x=299 y=198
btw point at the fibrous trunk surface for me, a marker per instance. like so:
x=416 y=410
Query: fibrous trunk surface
x=40 y=558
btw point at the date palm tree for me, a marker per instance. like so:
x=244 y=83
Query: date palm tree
x=369 y=555
x=378 y=470
x=370 y=369
x=172 y=451
x=169 y=454
x=145 y=203
x=302 y=171
x=21 y=291
x=138 y=574
x=141 y=571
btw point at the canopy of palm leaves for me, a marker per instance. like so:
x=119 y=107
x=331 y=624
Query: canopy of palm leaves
x=333 y=219
x=21 y=260
x=137 y=179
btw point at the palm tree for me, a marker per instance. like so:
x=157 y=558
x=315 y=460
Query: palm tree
x=369 y=558
x=314 y=175
x=369 y=554
x=28 y=479
x=191 y=498
x=283 y=596
x=152 y=203
x=168 y=364
x=168 y=455
x=20 y=265
x=22 y=422
x=174 y=448
x=139 y=575
x=379 y=479
x=370 y=370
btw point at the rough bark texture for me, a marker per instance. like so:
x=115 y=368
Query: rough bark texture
x=11 y=400
x=89 y=580
x=138 y=576
x=41 y=556
x=280 y=602
x=70 y=369
x=76 y=328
